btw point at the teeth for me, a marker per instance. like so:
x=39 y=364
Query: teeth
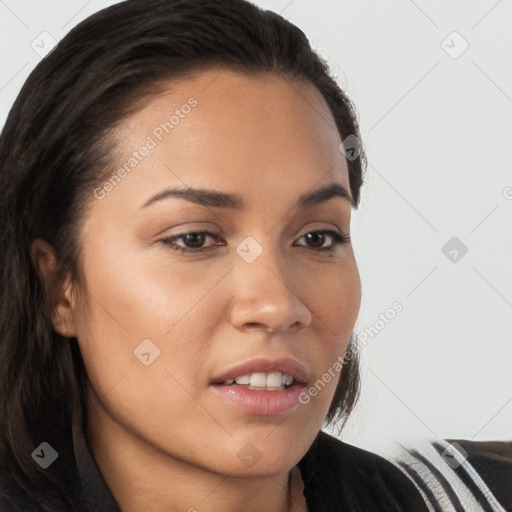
x=262 y=380
x=258 y=379
x=272 y=380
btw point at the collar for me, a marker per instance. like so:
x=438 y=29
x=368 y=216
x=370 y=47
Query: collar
x=96 y=494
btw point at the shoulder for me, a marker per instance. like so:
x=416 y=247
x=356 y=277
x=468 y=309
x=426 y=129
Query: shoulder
x=459 y=474
x=336 y=472
x=492 y=462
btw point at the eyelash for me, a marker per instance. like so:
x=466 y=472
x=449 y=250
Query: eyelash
x=338 y=239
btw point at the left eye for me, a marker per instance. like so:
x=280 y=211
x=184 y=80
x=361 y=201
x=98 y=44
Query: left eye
x=194 y=240
x=318 y=238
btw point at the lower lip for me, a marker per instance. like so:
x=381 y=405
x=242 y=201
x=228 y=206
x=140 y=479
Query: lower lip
x=261 y=402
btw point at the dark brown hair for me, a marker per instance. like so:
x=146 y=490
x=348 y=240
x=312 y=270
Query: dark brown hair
x=53 y=152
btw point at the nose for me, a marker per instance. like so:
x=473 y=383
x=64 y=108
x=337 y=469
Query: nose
x=264 y=296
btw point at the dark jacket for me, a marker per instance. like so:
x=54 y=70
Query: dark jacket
x=337 y=477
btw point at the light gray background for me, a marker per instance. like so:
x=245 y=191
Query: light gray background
x=437 y=133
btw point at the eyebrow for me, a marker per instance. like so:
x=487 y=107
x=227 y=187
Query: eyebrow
x=215 y=199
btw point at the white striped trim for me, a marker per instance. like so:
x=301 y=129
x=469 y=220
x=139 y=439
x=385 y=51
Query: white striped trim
x=475 y=477
x=431 y=482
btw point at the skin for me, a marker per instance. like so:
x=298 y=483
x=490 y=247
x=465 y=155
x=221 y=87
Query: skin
x=161 y=438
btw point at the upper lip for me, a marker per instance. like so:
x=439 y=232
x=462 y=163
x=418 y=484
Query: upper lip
x=285 y=365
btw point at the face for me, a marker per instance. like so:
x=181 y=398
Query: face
x=182 y=291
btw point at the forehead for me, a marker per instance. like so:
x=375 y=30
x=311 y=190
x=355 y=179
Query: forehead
x=221 y=129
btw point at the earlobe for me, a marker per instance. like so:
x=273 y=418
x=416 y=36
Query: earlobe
x=62 y=312
x=59 y=289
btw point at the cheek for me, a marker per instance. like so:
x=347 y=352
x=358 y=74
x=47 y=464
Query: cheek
x=138 y=306
x=336 y=299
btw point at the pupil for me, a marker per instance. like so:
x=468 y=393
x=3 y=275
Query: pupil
x=317 y=238
x=196 y=239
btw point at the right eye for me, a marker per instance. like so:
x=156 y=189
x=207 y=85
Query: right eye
x=193 y=241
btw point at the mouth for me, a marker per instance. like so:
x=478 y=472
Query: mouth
x=263 y=373
x=262 y=386
x=260 y=381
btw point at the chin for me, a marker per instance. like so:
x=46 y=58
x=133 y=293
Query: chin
x=261 y=455
x=263 y=468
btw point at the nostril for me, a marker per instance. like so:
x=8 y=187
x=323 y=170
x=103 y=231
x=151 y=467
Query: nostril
x=255 y=325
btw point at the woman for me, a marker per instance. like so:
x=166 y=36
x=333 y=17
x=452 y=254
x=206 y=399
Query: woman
x=179 y=290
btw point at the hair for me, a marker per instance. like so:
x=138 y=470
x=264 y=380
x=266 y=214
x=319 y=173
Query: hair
x=54 y=149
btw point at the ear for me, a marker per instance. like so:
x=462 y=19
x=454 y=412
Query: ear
x=59 y=289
